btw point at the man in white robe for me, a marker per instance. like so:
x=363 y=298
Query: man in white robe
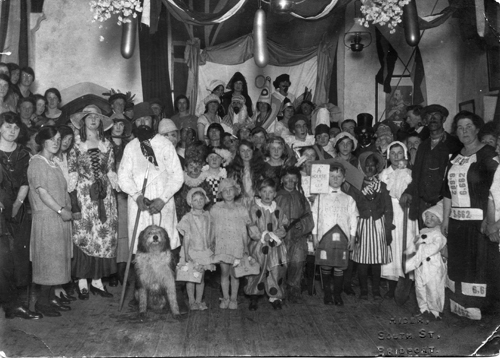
x=164 y=180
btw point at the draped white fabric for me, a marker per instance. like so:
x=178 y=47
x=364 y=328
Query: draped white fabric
x=301 y=76
x=323 y=13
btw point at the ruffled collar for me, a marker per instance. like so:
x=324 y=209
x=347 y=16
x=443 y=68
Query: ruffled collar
x=103 y=148
x=193 y=182
x=271 y=208
x=205 y=174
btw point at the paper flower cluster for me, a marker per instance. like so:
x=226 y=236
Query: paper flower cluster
x=382 y=12
x=103 y=9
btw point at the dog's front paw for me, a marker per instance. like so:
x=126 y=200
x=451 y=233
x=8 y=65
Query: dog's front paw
x=180 y=317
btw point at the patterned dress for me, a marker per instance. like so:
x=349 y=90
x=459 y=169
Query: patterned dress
x=272 y=260
x=95 y=234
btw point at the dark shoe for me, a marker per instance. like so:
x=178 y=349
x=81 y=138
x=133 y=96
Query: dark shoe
x=83 y=294
x=56 y=304
x=337 y=300
x=70 y=289
x=253 y=304
x=277 y=305
x=349 y=291
x=113 y=281
x=21 y=312
x=99 y=292
x=46 y=310
x=62 y=299
x=68 y=296
x=133 y=303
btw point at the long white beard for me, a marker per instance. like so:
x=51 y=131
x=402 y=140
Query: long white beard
x=241 y=117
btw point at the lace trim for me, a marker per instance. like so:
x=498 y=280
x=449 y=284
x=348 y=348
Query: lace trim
x=102 y=146
x=271 y=208
x=193 y=182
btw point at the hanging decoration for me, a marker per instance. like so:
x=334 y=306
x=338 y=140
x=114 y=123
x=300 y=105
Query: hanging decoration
x=260 y=53
x=125 y=9
x=129 y=34
x=410 y=23
x=328 y=8
x=387 y=12
x=182 y=13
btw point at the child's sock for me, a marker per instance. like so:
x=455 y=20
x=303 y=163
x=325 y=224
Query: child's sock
x=235 y=284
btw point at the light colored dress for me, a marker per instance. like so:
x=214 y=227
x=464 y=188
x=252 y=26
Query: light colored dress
x=51 y=247
x=198 y=230
x=231 y=238
x=393 y=179
x=163 y=182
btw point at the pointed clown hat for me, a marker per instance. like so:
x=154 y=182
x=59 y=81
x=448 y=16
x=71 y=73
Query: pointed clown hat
x=265 y=93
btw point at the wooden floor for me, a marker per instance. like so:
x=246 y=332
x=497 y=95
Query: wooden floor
x=96 y=328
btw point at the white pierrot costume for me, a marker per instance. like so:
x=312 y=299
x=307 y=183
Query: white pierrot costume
x=429 y=266
x=163 y=182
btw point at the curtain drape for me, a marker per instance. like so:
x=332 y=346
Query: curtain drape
x=182 y=13
x=154 y=70
x=241 y=49
x=14 y=31
x=326 y=55
x=192 y=57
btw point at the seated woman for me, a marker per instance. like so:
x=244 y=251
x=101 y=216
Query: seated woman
x=183 y=118
x=298 y=128
x=247 y=168
x=6 y=93
x=39 y=116
x=214 y=134
x=323 y=145
x=345 y=144
x=215 y=87
x=53 y=97
x=51 y=231
x=212 y=103
x=276 y=158
x=282 y=129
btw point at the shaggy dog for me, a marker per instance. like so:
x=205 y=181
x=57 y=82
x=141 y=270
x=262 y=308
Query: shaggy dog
x=155 y=277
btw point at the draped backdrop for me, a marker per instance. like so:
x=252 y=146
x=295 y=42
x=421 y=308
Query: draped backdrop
x=311 y=67
x=14 y=31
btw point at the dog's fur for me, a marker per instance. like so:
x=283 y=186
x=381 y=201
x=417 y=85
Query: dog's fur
x=154 y=271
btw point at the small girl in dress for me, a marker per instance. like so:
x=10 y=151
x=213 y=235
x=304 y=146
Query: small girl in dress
x=197 y=228
x=374 y=235
x=231 y=238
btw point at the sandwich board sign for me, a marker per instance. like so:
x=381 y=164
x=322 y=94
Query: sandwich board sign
x=320 y=175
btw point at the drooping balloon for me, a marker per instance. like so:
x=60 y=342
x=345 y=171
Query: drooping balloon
x=410 y=23
x=260 y=53
x=129 y=33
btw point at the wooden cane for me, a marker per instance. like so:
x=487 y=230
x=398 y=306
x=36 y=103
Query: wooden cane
x=134 y=234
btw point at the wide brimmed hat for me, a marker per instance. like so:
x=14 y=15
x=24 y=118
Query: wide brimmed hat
x=121 y=118
x=434 y=108
x=343 y=135
x=365 y=155
x=225 y=154
x=142 y=109
x=115 y=96
x=76 y=118
x=189 y=196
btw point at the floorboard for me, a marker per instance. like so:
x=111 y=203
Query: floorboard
x=96 y=328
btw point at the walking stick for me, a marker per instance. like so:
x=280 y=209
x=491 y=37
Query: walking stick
x=402 y=293
x=131 y=249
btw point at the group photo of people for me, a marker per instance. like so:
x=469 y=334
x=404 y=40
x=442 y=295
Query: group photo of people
x=231 y=186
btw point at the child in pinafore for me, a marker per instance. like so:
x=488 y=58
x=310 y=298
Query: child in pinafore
x=374 y=235
x=335 y=216
x=231 y=238
x=197 y=228
x=428 y=263
x=267 y=247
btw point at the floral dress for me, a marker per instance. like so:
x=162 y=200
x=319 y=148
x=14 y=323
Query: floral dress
x=92 y=175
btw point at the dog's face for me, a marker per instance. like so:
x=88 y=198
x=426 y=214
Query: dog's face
x=153 y=239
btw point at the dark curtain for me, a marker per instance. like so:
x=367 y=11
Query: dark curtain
x=154 y=64
x=332 y=92
x=23 y=35
x=4 y=22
